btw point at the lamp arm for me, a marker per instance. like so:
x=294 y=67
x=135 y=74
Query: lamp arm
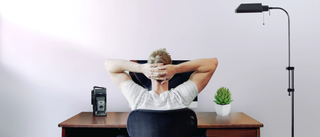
x=288 y=31
x=289 y=68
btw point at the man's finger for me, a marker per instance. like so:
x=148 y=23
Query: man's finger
x=157 y=78
x=160 y=78
x=158 y=74
x=154 y=70
x=161 y=74
x=162 y=68
x=156 y=65
x=157 y=69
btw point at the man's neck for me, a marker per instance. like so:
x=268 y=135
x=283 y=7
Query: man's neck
x=158 y=87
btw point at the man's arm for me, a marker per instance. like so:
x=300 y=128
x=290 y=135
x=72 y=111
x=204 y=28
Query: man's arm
x=204 y=69
x=117 y=68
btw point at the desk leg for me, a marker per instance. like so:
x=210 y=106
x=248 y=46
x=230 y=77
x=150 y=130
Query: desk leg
x=63 y=132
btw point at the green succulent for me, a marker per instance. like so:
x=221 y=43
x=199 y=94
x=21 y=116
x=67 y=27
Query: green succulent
x=223 y=96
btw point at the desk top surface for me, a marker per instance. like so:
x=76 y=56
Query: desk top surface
x=119 y=120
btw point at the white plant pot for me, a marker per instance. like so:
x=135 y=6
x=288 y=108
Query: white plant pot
x=223 y=110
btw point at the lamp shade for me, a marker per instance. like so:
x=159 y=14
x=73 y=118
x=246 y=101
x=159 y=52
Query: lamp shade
x=252 y=7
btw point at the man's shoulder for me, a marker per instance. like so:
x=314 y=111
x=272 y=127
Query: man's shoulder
x=130 y=86
x=187 y=83
x=185 y=87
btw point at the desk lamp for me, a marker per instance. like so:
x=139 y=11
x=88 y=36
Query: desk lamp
x=258 y=7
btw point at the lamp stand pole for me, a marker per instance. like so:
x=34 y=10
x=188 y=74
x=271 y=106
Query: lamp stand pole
x=258 y=7
x=290 y=74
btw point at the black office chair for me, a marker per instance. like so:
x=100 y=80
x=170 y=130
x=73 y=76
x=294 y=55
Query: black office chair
x=156 y=123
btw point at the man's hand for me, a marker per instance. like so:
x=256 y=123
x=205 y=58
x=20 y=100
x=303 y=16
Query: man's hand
x=162 y=72
x=154 y=71
x=170 y=70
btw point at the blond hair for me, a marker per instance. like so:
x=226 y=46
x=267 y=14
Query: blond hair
x=160 y=56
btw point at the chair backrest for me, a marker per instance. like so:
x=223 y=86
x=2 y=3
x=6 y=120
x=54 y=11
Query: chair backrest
x=159 y=123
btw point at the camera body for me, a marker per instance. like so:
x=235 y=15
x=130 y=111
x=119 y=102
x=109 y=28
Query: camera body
x=99 y=101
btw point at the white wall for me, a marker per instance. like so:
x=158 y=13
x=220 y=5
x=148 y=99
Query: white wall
x=52 y=53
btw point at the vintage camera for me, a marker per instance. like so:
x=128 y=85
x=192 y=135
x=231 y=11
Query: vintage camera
x=99 y=101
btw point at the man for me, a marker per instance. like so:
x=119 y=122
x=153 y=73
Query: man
x=159 y=69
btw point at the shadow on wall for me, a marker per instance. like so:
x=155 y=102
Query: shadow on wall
x=44 y=78
x=47 y=59
x=0 y=40
x=12 y=102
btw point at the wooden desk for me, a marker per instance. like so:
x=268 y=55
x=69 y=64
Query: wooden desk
x=237 y=124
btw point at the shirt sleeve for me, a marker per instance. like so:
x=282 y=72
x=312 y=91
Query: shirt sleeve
x=186 y=92
x=133 y=93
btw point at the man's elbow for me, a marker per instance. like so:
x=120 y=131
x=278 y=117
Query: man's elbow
x=214 y=63
x=108 y=65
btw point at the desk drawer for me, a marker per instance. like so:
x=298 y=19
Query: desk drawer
x=93 y=132
x=239 y=132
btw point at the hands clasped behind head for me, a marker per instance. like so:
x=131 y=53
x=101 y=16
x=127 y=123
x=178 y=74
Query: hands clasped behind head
x=158 y=72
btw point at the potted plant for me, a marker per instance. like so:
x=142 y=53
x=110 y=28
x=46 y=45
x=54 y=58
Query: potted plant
x=223 y=100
